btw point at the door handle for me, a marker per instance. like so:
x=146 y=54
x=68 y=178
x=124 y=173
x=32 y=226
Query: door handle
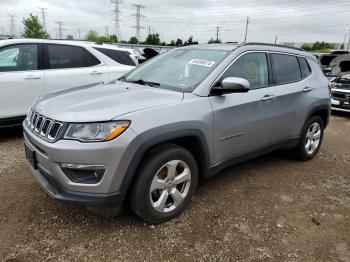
x=31 y=77
x=268 y=98
x=96 y=73
x=307 y=89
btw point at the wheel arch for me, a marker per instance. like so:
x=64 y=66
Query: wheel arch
x=191 y=139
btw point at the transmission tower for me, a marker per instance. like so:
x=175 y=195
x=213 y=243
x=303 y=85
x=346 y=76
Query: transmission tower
x=43 y=18
x=60 y=30
x=138 y=15
x=116 y=11
x=12 y=25
x=217 y=34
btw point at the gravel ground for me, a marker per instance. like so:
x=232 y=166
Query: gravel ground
x=260 y=210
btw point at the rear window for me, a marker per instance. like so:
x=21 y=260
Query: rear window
x=304 y=66
x=285 y=68
x=65 y=56
x=122 y=57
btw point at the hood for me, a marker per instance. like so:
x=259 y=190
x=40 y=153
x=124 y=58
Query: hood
x=99 y=102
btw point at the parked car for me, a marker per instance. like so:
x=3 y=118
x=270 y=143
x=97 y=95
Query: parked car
x=341 y=93
x=30 y=68
x=183 y=116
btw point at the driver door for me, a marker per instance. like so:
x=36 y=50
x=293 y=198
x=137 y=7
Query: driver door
x=243 y=122
x=21 y=81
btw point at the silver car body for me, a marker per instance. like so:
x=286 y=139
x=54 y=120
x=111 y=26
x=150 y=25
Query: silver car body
x=225 y=129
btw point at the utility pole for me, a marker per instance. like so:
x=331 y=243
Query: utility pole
x=149 y=30
x=116 y=11
x=79 y=33
x=276 y=40
x=60 y=30
x=107 y=31
x=246 y=30
x=12 y=25
x=217 y=34
x=43 y=18
x=138 y=15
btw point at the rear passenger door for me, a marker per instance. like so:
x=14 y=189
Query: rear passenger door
x=292 y=88
x=68 y=66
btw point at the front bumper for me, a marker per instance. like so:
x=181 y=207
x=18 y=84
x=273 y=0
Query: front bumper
x=58 y=192
x=336 y=106
x=50 y=176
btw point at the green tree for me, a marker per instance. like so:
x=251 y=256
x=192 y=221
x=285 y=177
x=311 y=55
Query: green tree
x=190 y=41
x=33 y=28
x=172 y=43
x=133 y=40
x=113 y=39
x=214 y=41
x=179 y=42
x=306 y=47
x=152 y=39
x=92 y=36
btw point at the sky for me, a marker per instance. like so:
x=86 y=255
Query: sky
x=288 y=20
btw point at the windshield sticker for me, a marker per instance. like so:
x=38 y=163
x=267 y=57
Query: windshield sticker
x=201 y=62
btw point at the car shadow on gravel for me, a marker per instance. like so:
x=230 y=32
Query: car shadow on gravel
x=10 y=133
x=103 y=220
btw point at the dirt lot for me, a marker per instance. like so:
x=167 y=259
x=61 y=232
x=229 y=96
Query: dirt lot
x=260 y=210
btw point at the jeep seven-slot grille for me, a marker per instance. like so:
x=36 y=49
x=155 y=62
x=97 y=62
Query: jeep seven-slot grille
x=43 y=126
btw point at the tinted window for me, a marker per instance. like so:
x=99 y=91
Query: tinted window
x=64 y=56
x=19 y=58
x=304 y=66
x=122 y=57
x=252 y=67
x=285 y=68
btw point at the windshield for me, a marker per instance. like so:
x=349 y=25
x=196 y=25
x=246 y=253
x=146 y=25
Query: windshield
x=180 y=70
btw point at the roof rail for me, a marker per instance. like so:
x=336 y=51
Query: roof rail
x=268 y=44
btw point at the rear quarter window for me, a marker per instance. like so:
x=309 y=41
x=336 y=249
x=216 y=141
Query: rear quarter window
x=305 y=67
x=121 y=57
x=285 y=68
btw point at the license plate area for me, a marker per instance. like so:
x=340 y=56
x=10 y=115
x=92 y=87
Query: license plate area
x=31 y=157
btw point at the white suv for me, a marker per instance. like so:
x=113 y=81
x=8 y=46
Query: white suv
x=30 y=68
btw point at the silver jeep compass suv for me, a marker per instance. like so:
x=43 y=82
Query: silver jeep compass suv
x=148 y=138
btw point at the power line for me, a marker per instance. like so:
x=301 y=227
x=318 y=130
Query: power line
x=60 y=29
x=43 y=18
x=12 y=25
x=138 y=15
x=116 y=11
x=246 y=30
x=217 y=34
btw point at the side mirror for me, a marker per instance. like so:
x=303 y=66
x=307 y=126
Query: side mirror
x=232 y=85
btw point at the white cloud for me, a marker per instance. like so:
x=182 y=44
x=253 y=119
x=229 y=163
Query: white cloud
x=297 y=20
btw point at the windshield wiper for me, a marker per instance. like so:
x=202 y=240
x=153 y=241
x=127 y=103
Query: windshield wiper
x=143 y=82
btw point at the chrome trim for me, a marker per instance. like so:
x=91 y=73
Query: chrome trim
x=35 y=118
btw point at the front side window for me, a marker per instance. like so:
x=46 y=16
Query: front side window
x=252 y=67
x=65 y=56
x=19 y=58
x=122 y=57
x=180 y=69
x=285 y=68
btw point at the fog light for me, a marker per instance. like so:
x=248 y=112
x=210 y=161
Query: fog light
x=85 y=174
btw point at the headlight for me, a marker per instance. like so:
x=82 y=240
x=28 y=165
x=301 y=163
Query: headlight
x=96 y=132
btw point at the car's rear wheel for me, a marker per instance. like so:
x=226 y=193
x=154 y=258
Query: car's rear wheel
x=311 y=139
x=165 y=183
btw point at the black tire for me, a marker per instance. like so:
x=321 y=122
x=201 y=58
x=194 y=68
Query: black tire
x=156 y=158
x=300 y=151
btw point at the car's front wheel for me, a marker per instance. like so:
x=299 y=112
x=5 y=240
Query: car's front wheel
x=165 y=183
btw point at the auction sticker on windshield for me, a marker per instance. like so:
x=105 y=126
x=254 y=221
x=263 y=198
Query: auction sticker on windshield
x=201 y=62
